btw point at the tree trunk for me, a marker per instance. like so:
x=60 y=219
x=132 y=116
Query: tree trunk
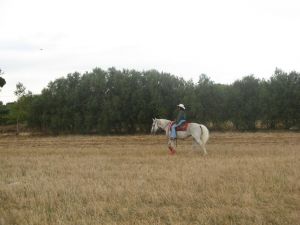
x=17 y=127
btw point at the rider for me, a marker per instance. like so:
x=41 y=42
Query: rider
x=181 y=118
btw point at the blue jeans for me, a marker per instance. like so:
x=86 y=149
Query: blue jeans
x=173 y=129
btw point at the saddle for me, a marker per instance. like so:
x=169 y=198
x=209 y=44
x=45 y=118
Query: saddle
x=182 y=127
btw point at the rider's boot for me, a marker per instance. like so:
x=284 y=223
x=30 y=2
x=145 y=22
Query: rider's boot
x=172 y=150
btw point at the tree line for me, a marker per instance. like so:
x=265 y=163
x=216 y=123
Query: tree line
x=124 y=101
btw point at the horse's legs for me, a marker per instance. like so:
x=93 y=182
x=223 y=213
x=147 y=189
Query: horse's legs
x=198 y=141
x=194 y=145
x=196 y=134
x=204 y=149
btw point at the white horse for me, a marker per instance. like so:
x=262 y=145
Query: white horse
x=199 y=133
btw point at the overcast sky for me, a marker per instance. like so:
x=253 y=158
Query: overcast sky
x=224 y=39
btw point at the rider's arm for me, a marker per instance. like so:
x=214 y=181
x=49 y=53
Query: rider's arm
x=179 y=116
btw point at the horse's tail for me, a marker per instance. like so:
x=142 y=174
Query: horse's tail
x=205 y=134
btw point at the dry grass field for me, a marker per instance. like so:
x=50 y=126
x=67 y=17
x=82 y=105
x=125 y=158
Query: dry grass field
x=246 y=178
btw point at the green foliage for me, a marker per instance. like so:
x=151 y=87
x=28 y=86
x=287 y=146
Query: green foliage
x=3 y=114
x=281 y=95
x=116 y=101
x=2 y=80
x=19 y=110
x=20 y=90
x=244 y=103
x=209 y=104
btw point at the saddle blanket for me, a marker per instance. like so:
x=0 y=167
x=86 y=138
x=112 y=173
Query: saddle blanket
x=182 y=127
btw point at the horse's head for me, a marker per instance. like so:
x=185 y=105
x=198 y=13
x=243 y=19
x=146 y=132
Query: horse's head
x=155 y=126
